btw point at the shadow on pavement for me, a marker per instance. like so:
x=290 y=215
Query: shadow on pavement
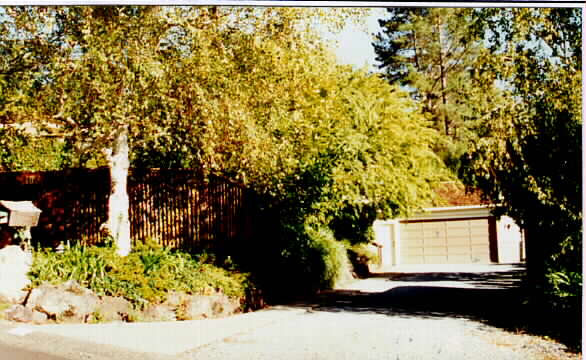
x=493 y=298
x=511 y=278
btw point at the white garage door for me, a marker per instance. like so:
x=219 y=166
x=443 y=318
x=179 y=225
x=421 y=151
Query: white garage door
x=445 y=242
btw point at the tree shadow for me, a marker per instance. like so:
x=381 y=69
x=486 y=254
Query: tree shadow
x=493 y=298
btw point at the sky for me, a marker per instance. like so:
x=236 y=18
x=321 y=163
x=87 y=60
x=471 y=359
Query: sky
x=355 y=44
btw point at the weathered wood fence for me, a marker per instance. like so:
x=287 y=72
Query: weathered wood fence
x=175 y=208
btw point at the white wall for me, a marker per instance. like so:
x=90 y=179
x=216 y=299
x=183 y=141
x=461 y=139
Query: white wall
x=509 y=240
x=386 y=234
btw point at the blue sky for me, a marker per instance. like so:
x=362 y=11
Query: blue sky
x=354 y=44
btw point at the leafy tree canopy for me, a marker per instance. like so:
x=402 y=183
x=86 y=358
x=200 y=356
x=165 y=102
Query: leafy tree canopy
x=528 y=158
x=249 y=93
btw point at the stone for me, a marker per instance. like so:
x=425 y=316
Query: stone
x=209 y=306
x=224 y=305
x=14 y=267
x=176 y=299
x=112 y=308
x=68 y=302
x=159 y=312
x=197 y=307
x=21 y=313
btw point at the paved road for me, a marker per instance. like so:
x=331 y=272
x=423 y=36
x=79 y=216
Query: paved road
x=411 y=315
x=13 y=353
x=416 y=314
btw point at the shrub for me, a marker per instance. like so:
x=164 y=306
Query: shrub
x=330 y=259
x=146 y=275
x=305 y=258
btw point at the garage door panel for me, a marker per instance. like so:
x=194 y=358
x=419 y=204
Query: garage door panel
x=479 y=232
x=459 y=251
x=480 y=249
x=457 y=224
x=459 y=259
x=435 y=242
x=413 y=260
x=434 y=234
x=415 y=243
x=435 y=250
x=458 y=241
x=478 y=222
x=480 y=258
x=433 y=225
x=479 y=241
x=413 y=251
x=459 y=232
x=436 y=259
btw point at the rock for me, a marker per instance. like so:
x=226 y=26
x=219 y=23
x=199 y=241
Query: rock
x=176 y=299
x=224 y=305
x=112 y=309
x=21 y=313
x=159 y=312
x=14 y=266
x=208 y=306
x=68 y=302
x=197 y=307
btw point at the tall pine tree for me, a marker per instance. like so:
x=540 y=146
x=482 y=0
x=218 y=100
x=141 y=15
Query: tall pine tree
x=431 y=52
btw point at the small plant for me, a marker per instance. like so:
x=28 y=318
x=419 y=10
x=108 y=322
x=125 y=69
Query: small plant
x=3 y=308
x=96 y=317
x=145 y=276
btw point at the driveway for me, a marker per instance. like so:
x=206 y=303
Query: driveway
x=415 y=313
x=443 y=312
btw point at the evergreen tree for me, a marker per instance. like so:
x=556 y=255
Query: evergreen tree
x=431 y=52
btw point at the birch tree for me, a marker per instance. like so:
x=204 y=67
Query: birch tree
x=115 y=79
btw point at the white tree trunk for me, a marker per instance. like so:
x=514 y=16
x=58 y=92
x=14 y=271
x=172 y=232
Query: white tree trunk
x=118 y=205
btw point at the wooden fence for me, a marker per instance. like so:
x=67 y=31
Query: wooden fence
x=176 y=208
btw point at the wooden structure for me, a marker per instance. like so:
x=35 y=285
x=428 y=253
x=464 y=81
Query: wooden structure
x=175 y=208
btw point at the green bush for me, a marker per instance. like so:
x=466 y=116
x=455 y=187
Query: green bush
x=146 y=275
x=329 y=256
x=305 y=258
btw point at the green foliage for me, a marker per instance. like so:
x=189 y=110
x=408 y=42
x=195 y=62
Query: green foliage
x=146 y=275
x=248 y=93
x=528 y=159
x=432 y=53
x=312 y=258
x=20 y=151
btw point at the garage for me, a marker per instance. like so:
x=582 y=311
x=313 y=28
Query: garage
x=449 y=235
x=445 y=242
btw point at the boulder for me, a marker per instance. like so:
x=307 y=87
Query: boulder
x=197 y=307
x=159 y=312
x=14 y=267
x=208 y=306
x=224 y=305
x=21 y=313
x=176 y=299
x=112 y=309
x=68 y=302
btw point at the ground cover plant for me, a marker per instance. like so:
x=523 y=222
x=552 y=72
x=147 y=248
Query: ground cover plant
x=145 y=276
